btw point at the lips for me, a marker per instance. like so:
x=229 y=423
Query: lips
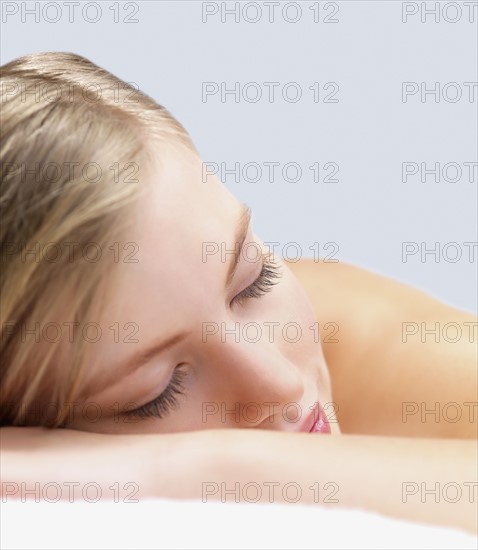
x=317 y=421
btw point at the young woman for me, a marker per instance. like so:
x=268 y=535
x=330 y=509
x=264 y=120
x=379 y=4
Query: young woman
x=143 y=321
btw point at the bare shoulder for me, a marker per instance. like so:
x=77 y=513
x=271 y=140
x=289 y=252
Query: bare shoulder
x=352 y=294
x=389 y=351
x=352 y=283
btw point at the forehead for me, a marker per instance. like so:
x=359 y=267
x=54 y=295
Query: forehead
x=180 y=207
x=178 y=214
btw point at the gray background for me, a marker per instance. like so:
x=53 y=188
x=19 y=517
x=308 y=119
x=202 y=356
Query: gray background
x=369 y=132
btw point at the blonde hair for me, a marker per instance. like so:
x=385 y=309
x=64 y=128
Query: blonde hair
x=60 y=114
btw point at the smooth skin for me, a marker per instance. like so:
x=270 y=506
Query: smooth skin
x=387 y=380
x=378 y=456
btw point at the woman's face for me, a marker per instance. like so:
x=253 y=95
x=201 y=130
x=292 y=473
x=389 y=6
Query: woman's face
x=185 y=315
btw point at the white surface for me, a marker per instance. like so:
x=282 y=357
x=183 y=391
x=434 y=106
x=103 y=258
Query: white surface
x=192 y=524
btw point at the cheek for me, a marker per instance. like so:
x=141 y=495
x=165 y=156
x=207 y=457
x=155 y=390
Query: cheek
x=306 y=354
x=294 y=301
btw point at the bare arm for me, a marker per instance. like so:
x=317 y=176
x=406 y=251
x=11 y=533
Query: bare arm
x=374 y=372
x=410 y=478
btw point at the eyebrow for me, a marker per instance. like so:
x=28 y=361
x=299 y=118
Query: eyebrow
x=242 y=228
x=140 y=358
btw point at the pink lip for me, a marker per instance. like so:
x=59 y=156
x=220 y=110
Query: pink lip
x=317 y=421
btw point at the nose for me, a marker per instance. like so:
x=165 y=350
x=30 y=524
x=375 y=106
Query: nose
x=255 y=385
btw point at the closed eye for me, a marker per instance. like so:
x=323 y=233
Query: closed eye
x=268 y=277
x=163 y=403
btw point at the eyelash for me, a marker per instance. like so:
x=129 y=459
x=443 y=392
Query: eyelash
x=268 y=277
x=167 y=401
